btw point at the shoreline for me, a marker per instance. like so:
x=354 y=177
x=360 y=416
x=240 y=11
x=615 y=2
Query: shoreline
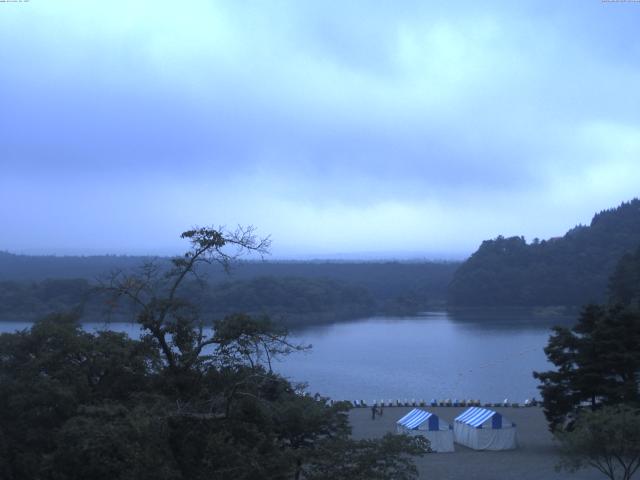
x=448 y=403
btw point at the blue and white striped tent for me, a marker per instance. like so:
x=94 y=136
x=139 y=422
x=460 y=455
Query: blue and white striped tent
x=484 y=429
x=427 y=424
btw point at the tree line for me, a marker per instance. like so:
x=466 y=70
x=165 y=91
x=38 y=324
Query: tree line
x=384 y=279
x=570 y=270
x=592 y=397
x=292 y=301
x=354 y=290
x=181 y=402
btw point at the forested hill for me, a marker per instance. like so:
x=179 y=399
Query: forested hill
x=569 y=270
x=300 y=292
x=34 y=268
x=624 y=284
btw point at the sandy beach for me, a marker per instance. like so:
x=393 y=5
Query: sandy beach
x=534 y=459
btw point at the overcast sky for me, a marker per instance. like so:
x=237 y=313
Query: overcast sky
x=378 y=128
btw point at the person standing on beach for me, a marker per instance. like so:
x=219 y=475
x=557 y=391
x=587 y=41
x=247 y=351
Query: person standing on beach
x=380 y=411
x=373 y=412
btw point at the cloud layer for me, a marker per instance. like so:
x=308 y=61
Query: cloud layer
x=361 y=128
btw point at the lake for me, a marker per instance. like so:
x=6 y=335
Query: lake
x=481 y=355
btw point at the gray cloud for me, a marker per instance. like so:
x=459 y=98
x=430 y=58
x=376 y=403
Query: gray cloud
x=453 y=122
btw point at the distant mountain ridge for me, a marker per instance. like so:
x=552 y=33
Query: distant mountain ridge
x=569 y=270
x=18 y=267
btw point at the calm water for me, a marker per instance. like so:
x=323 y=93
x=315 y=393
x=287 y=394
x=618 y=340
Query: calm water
x=434 y=355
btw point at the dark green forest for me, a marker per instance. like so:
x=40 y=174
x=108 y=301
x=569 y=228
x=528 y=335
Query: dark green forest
x=571 y=270
x=624 y=284
x=565 y=271
x=591 y=396
x=291 y=292
x=178 y=403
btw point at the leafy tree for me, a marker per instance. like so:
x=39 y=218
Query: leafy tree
x=48 y=373
x=598 y=362
x=180 y=403
x=168 y=319
x=111 y=441
x=386 y=458
x=607 y=439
